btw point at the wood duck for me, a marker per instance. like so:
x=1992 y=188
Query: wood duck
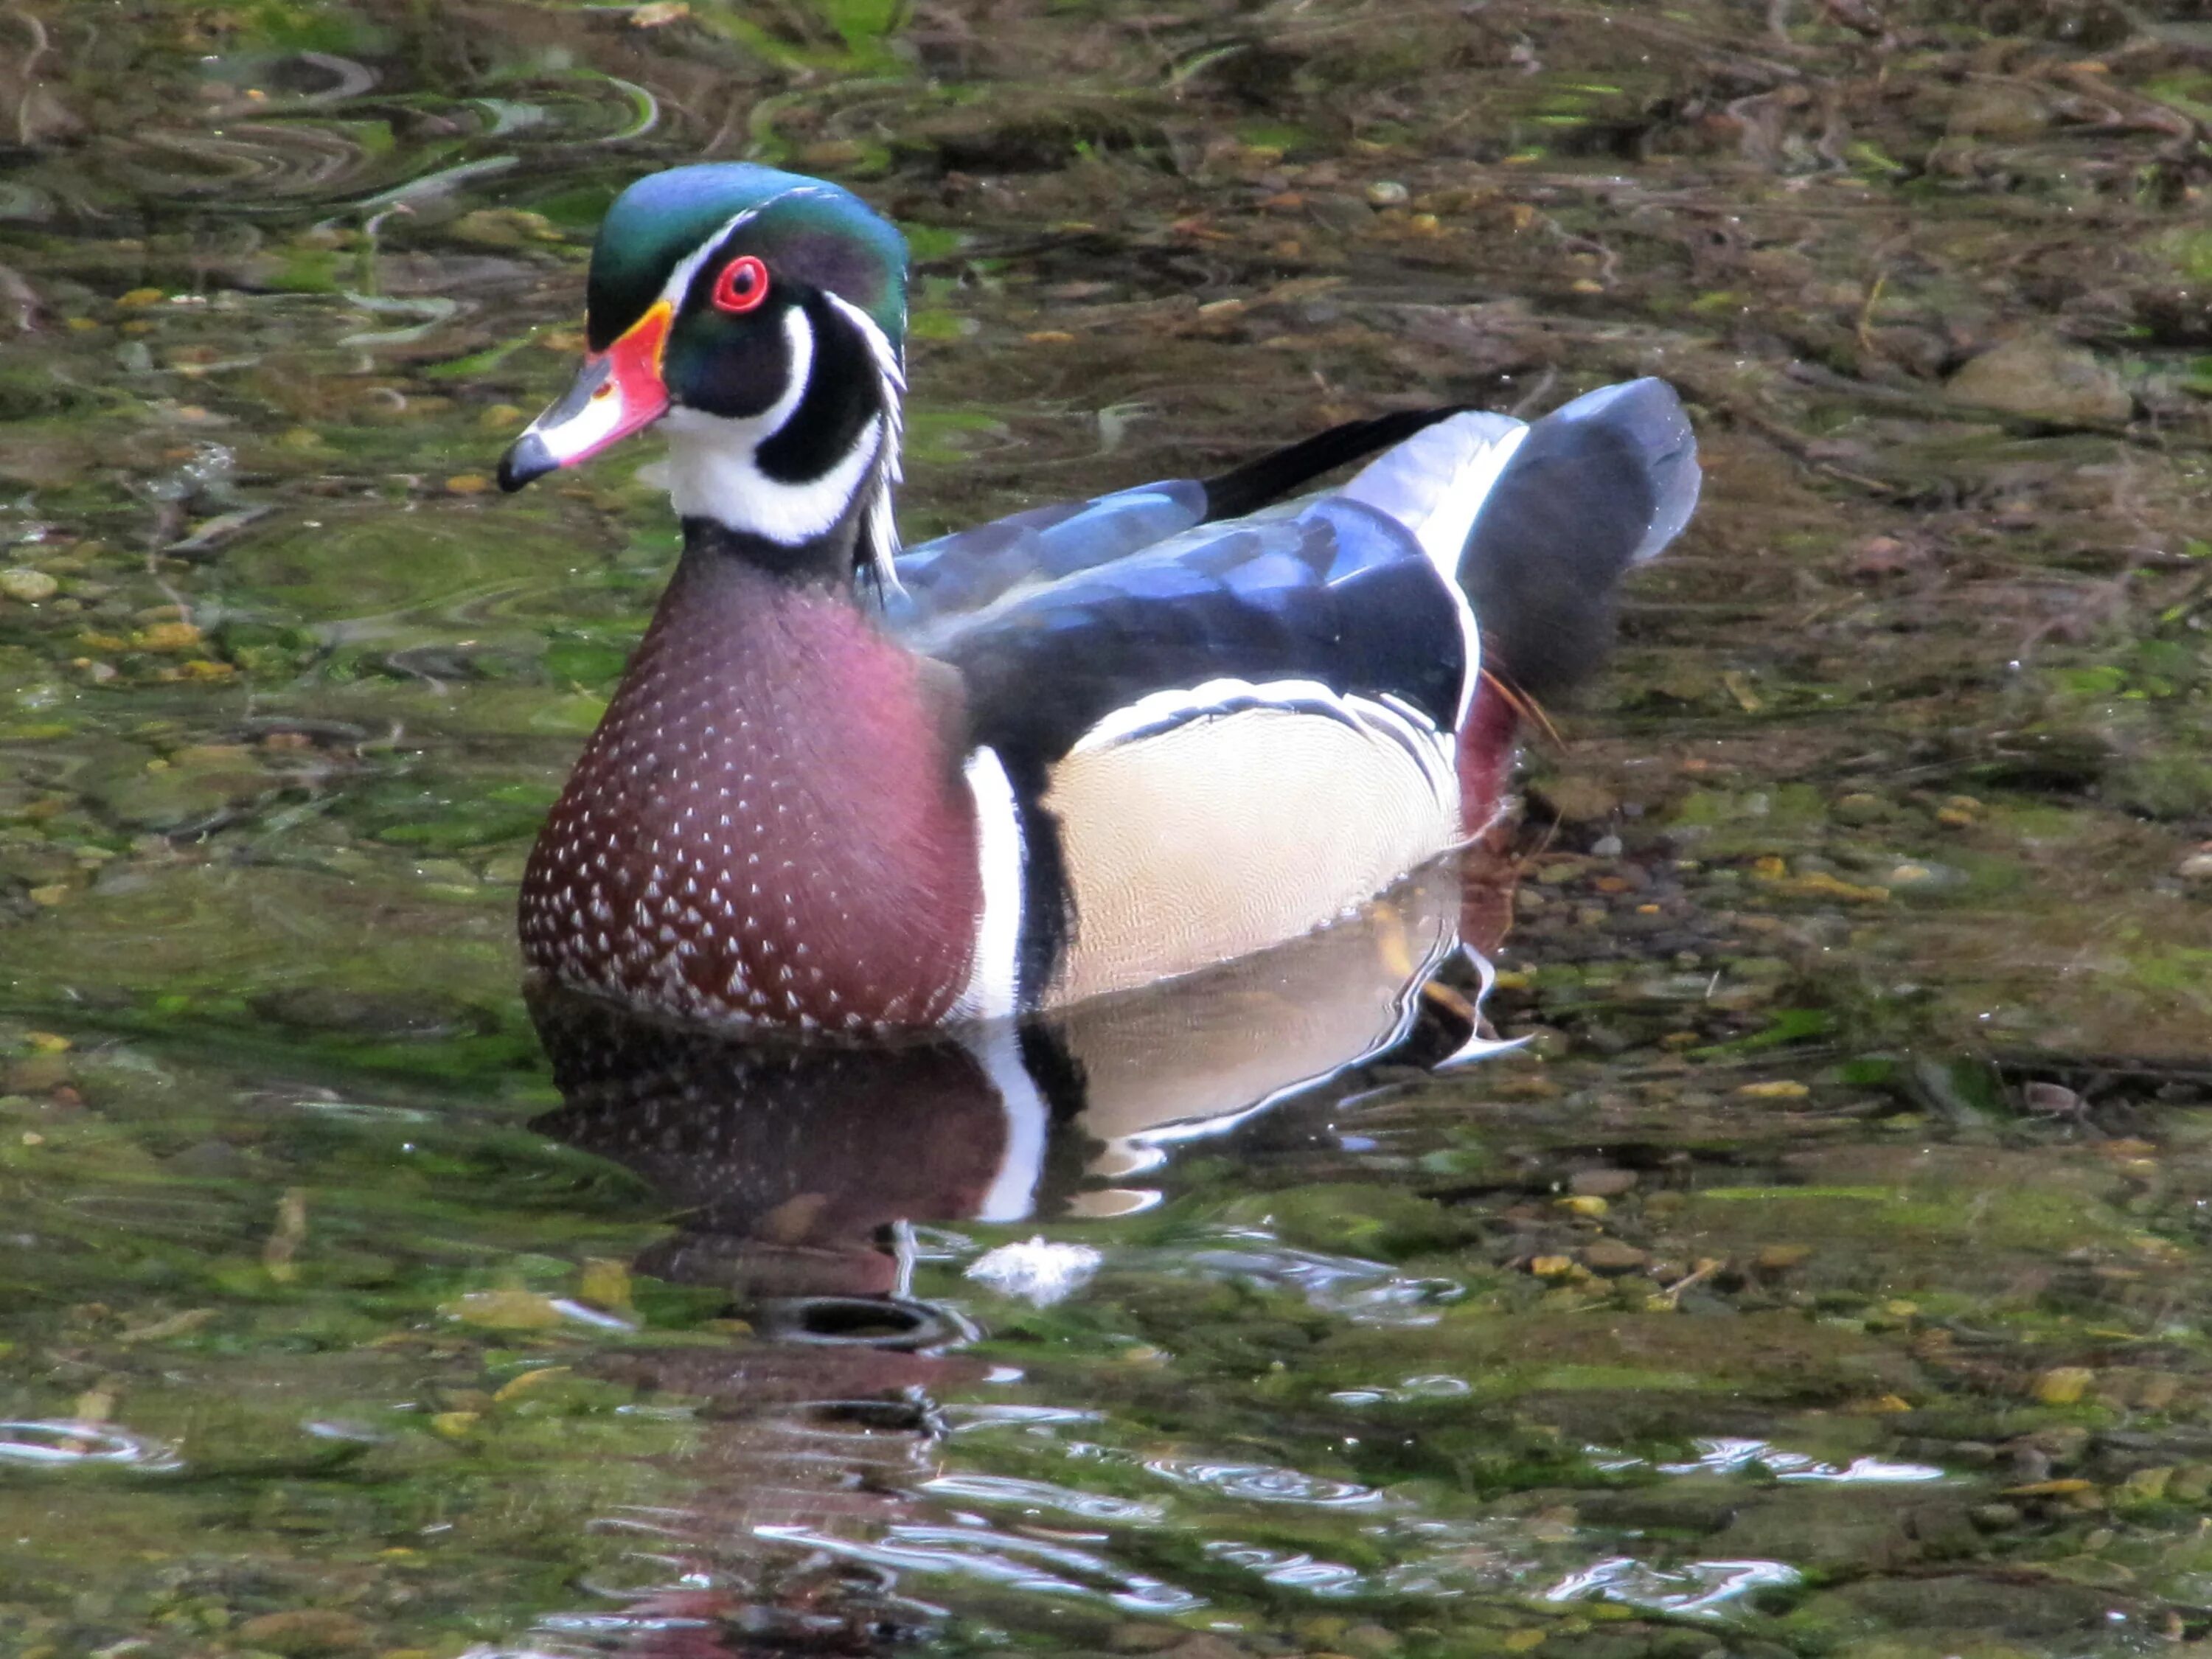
x=1072 y=752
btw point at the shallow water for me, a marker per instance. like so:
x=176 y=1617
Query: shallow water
x=1828 y=1273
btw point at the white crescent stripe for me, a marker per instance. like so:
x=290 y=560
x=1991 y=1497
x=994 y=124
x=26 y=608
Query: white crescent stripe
x=993 y=978
x=1013 y=1193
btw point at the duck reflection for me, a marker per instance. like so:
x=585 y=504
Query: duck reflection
x=792 y=1162
x=802 y=1174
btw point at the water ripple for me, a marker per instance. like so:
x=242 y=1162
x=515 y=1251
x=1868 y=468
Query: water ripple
x=959 y=1419
x=1263 y=1483
x=1698 y=1587
x=1371 y=1292
x=1041 y=1494
x=1412 y=1390
x=1729 y=1456
x=1291 y=1569
x=65 y=1445
x=1024 y=1564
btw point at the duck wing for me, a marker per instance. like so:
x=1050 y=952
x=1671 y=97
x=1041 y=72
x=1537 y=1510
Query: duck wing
x=970 y=569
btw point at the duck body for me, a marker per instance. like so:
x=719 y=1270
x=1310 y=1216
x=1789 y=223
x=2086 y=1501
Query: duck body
x=1066 y=754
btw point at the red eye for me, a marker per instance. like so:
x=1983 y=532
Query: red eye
x=742 y=286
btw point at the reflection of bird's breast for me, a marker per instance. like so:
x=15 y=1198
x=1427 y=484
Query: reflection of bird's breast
x=1191 y=843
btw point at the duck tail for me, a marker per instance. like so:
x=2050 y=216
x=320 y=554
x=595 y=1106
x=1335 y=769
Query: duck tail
x=1599 y=484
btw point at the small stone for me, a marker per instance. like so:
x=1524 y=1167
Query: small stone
x=1777 y=1089
x=1584 y=1204
x=2190 y=1483
x=1602 y=1183
x=1859 y=807
x=2043 y=378
x=2050 y=1100
x=1551 y=1267
x=2197 y=867
x=1780 y=1258
x=1610 y=1256
x=1607 y=847
x=1368 y=1641
x=30 y=586
x=1578 y=799
x=167 y=636
x=2145 y=1485
x=304 y=1632
x=1387 y=192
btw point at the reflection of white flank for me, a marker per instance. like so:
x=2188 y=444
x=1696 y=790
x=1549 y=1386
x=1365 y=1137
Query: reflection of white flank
x=996 y=1047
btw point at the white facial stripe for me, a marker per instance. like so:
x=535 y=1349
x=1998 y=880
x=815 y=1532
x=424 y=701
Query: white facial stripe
x=679 y=280
x=992 y=988
x=883 y=526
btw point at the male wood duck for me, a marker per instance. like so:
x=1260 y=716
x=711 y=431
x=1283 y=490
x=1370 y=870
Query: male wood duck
x=1073 y=752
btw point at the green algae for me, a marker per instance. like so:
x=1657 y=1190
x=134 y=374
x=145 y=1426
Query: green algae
x=275 y=1207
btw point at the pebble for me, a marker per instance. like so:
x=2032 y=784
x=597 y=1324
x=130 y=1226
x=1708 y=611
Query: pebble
x=30 y=586
x=1602 y=1183
x=1387 y=192
x=304 y=1631
x=2197 y=866
x=1610 y=1256
x=2043 y=377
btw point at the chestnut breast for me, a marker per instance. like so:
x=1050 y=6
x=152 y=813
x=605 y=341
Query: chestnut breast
x=767 y=824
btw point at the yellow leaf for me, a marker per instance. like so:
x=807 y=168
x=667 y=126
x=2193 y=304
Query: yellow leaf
x=528 y=1381
x=2063 y=1385
x=505 y=1310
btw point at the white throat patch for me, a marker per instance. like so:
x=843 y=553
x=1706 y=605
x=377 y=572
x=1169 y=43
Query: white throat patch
x=714 y=461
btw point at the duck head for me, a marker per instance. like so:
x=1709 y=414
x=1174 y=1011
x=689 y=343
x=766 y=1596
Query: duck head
x=760 y=317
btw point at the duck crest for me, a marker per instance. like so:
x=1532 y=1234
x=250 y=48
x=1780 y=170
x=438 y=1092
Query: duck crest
x=754 y=831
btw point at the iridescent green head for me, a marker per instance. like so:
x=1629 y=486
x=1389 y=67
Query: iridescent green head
x=763 y=314
x=696 y=219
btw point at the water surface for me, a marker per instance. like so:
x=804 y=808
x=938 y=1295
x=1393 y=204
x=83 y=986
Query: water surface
x=1826 y=1275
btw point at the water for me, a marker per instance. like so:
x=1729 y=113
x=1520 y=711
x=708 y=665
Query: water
x=1825 y=1274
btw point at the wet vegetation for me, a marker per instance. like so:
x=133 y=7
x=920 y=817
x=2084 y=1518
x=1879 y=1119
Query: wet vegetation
x=1827 y=1276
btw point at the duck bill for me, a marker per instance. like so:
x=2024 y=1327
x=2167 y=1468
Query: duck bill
x=617 y=391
